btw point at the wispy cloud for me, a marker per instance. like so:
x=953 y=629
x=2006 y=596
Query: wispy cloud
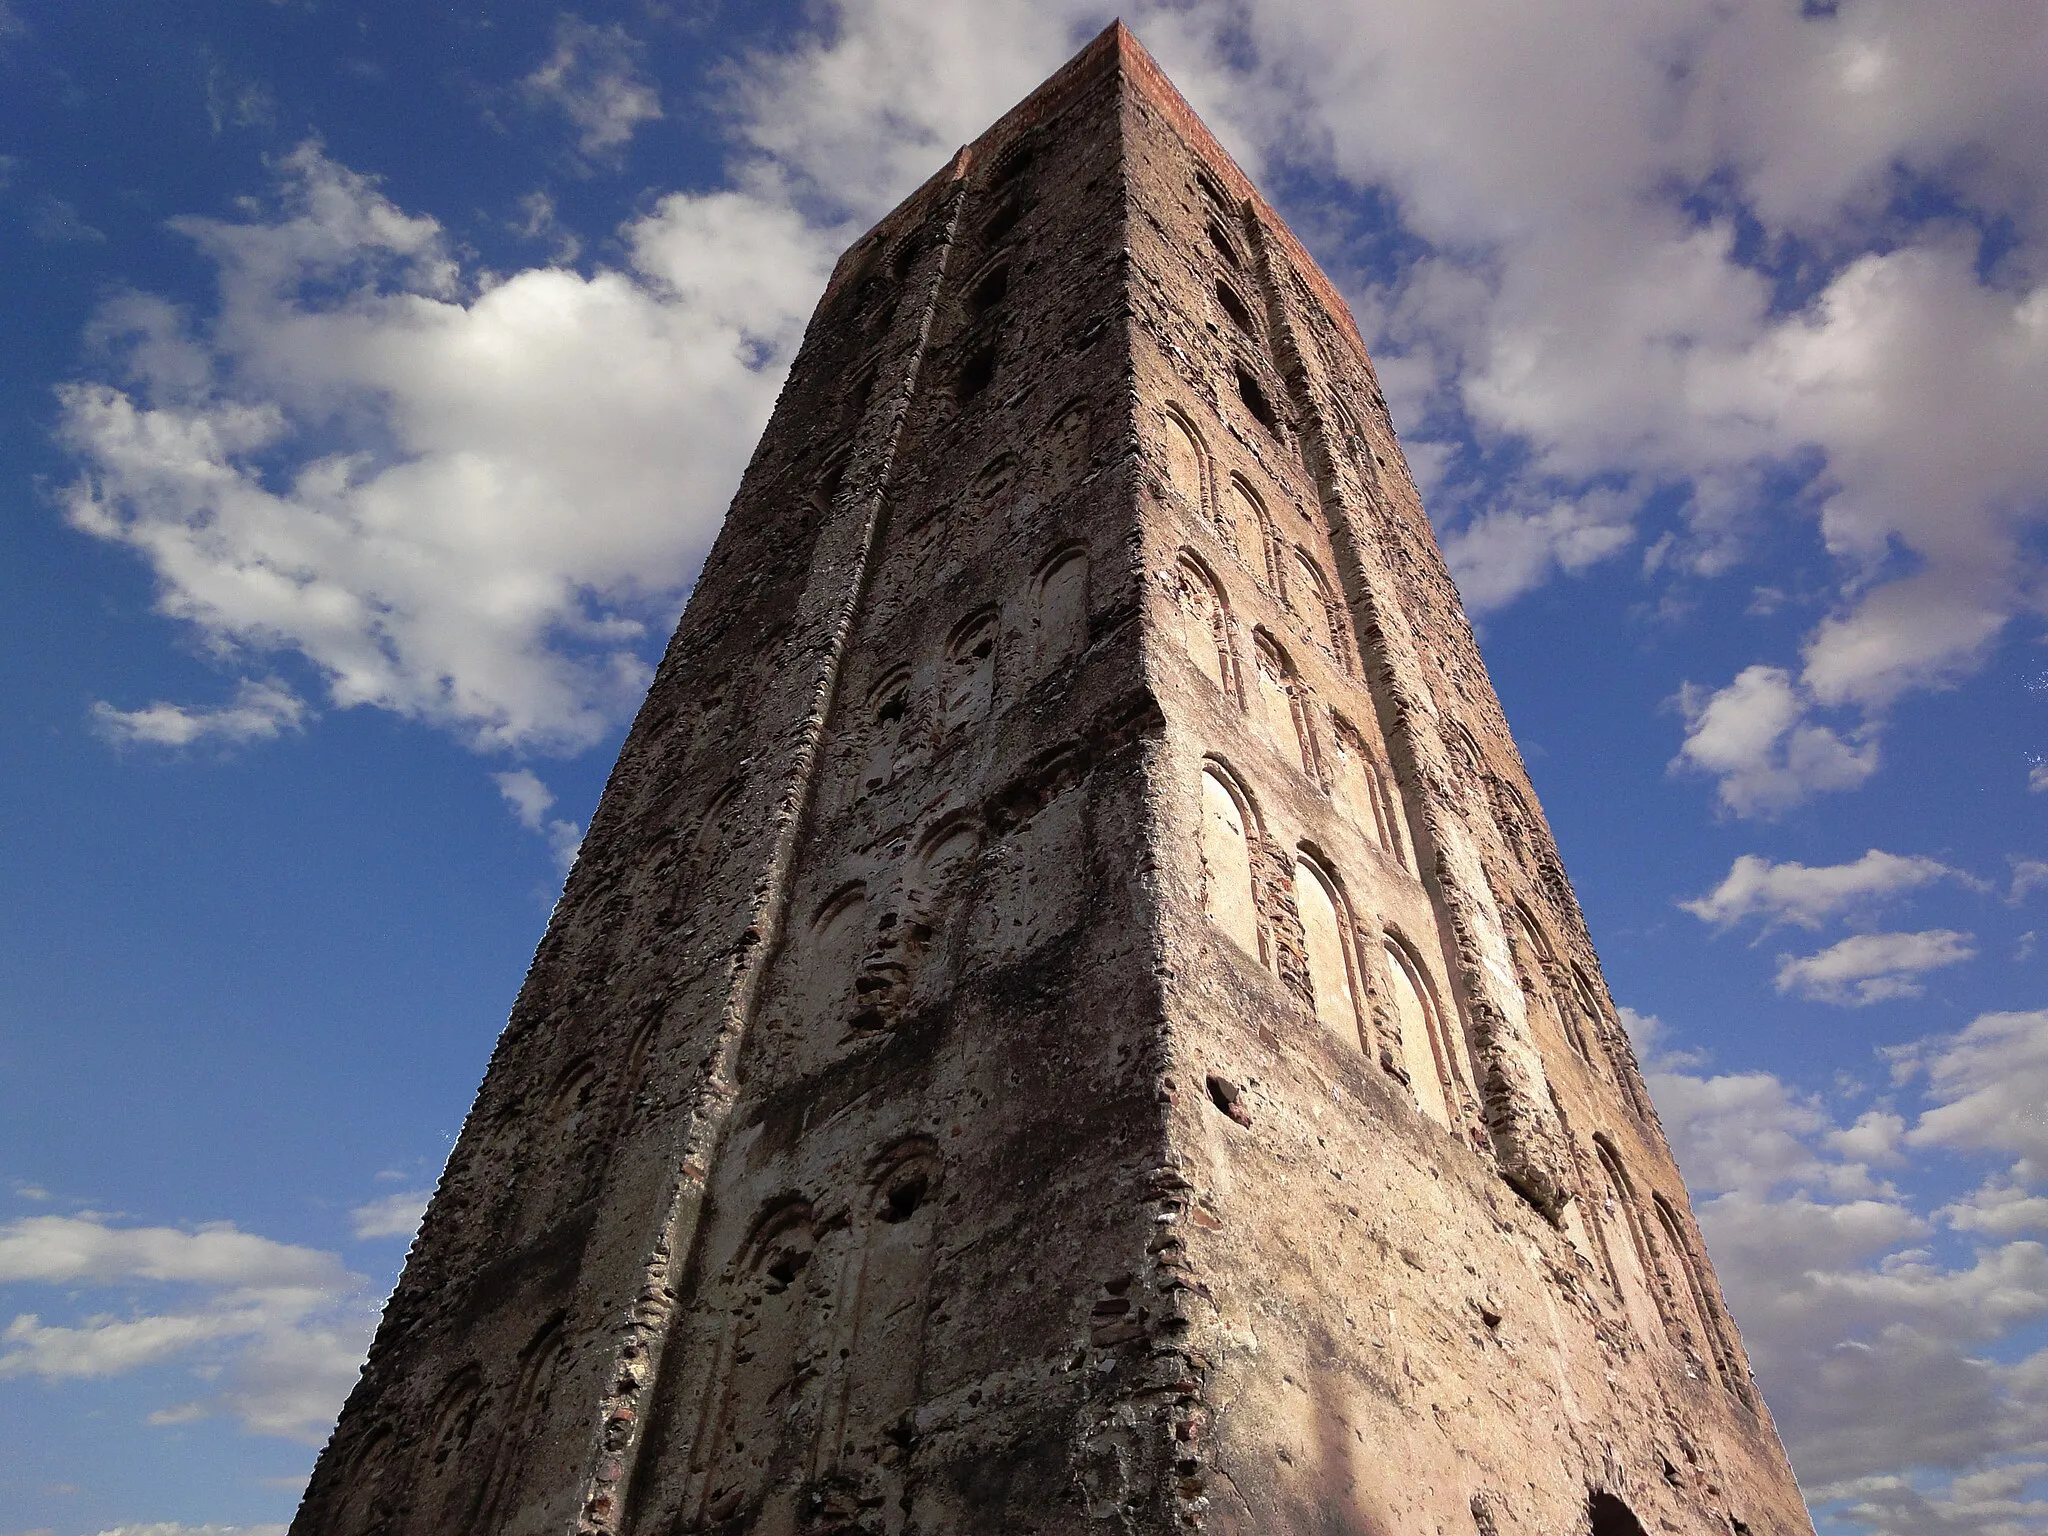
x=261 y=711
x=394 y=1215
x=531 y=801
x=594 y=79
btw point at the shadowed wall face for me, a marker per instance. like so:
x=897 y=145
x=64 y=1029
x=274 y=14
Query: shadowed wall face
x=1068 y=1015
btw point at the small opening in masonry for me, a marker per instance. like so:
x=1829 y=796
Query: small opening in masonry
x=906 y=256
x=990 y=291
x=1226 y=1096
x=1611 y=1517
x=857 y=396
x=785 y=1268
x=1011 y=166
x=1233 y=306
x=904 y=1198
x=1210 y=190
x=975 y=376
x=1223 y=244
x=1005 y=220
x=1256 y=402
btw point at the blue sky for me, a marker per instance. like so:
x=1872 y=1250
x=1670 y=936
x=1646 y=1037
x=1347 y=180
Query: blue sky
x=375 y=379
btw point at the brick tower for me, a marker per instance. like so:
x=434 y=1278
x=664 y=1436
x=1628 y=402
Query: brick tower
x=1068 y=1017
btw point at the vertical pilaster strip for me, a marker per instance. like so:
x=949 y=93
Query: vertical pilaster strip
x=831 y=606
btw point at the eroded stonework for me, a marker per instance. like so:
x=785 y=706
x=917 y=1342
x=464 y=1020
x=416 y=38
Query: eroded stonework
x=1068 y=1016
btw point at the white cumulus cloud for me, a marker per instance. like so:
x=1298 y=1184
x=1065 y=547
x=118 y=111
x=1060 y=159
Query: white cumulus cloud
x=553 y=451
x=1809 y=895
x=1903 y=1379
x=276 y=1331
x=1755 y=736
x=1872 y=967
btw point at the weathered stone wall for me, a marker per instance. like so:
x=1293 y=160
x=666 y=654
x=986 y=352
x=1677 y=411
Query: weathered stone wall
x=1068 y=1014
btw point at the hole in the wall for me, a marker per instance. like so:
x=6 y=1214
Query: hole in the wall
x=860 y=391
x=785 y=1267
x=990 y=291
x=906 y=256
x=1229 y=1098
x=1224 y=246
x=976 y=373
x=1255 y=401
x=1211 y=190
x=1011 y=166
x=1005 y=219
x=1608 y=1516
x=1233 y=306
x=904 y=1197
x=975 y=638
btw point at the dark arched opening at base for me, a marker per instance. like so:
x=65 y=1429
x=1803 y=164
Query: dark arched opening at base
x=1611 y=1517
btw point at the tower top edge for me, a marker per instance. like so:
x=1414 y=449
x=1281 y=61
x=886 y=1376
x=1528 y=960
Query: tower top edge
x=1114 y=51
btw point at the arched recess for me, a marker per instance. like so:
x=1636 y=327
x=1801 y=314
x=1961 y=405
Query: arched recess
x=368 y=1489
x=1312 y=596
x=1584 y=998
x=1363 y=789
x=525 y=1423
x=1697 y=1301
x=1034 y=884
x=882 y=1311
x=1624 y=1242
x=455 y=1451
x=1284 y=708
x=1538 y=961
x=1250 y=512
x=1463 y=747
x=822 y=985
x=1327 y=934
x=897 y=950
x=887 y=730
x=970 y=680
x=1430 y=1053
x=1239 y=313
x=991 y=486
x=1577 y=1212
x=566 y=1147
x=1187 y=460
x=1068 y=449
x=1615 y=1047
x=1060 y=606
x=1205 y=623
x=751 y=1396
x=713 y=832
x=1228 y=834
